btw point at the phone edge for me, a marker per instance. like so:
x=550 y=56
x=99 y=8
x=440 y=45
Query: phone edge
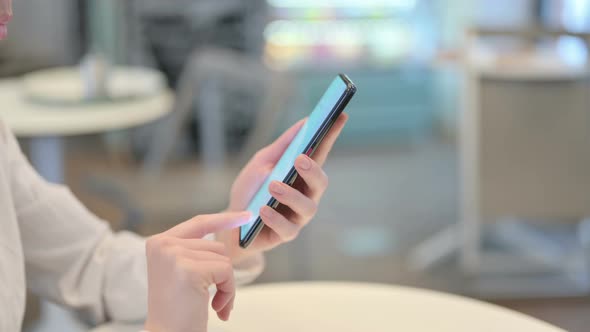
x=313 y=144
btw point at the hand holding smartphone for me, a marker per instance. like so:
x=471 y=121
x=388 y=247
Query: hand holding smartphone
x=321 y=119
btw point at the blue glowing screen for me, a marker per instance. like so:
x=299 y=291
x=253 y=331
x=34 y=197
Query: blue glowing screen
x=326 y=104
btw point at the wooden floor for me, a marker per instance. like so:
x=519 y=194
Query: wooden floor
x=570 y=314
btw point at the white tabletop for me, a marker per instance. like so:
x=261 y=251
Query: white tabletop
x=354 y=307
x=34 y=119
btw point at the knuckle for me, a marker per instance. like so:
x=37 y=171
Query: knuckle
x=219 y=254
x=221 y=248
x=171 y=252
x=228 y=268
x=312 y=209
x=225 y=259
x=166 y=241
x=292 y=235
x=156 y=243
x=183 y=271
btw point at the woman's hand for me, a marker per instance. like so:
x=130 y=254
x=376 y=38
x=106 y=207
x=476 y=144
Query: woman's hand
x=298 y=203
x=181 y=268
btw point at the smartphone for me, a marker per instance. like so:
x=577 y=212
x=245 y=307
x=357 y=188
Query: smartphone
x=311 y=134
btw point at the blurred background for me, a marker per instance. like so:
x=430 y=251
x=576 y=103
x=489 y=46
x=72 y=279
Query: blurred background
x=465 y=166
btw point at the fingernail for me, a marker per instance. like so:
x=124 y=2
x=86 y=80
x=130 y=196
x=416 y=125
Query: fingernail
x=277 y=188
x=304 y=163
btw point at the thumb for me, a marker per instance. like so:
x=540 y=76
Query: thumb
x=201 y=225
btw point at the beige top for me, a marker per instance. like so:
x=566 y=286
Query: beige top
x=54 y=246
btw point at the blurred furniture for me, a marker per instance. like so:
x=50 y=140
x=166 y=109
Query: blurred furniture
x=525 y=156
x=168 y=193
x=329 y=306
x=208 y=75
x=387 y=54
x=45 y=123
x=395 y=104
x=166 y=33
x=530 y=34
x=46 y=34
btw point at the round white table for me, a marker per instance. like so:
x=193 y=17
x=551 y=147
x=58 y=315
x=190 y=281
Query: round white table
x=46 y=123
x=354 y=307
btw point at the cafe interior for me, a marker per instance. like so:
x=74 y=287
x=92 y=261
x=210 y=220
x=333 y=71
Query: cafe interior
x=457 y=198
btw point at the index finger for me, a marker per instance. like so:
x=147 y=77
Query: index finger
x=327 y=143
x=202 y=225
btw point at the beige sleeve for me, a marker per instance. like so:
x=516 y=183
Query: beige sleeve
x=74 y=258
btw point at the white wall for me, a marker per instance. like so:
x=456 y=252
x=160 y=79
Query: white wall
x=42 y=30
x=503 y=13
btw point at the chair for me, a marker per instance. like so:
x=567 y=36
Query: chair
x=525 y=158
x=162 y=194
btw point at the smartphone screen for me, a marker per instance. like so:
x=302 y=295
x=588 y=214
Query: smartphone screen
x=325 y=108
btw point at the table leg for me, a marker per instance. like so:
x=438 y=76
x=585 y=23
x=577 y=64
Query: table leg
x=212 y=125
x=47 y=156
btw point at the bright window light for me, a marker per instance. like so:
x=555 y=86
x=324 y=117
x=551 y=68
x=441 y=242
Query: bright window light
x=396 y=4
x=572 y=50
x=576 y=15
x=286 y=32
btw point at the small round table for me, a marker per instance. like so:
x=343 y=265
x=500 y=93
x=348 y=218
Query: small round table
x=354 y=307
x=46 y=124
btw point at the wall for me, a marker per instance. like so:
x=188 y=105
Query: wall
x=43 y=32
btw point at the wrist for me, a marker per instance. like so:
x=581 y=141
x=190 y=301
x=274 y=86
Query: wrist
x=244 y=256
x=149 y=326
x=248 y=260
